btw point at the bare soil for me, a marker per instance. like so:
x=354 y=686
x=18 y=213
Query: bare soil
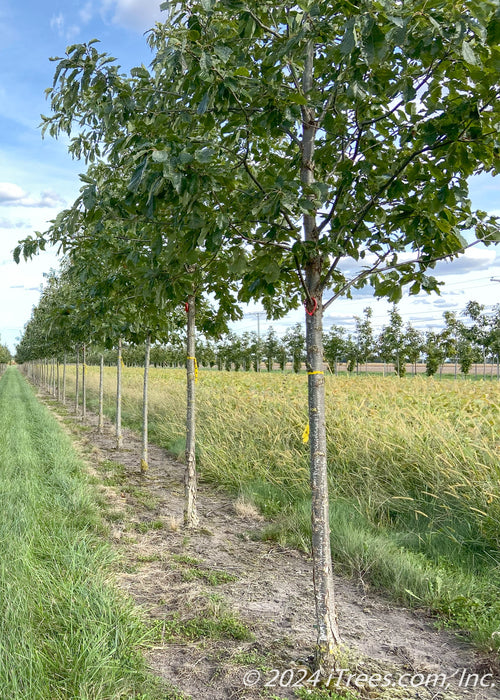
x=177 y=575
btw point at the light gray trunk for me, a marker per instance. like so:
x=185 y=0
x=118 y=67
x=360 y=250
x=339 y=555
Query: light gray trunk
x=53 y=376
x=118 y=431
x=190 y=485
x=64 y=380
x=326 y=618
x=100 y=420
x=77 y=380
x=328 y=637
x=58 y=381
x=84 y=382
x=144 y=456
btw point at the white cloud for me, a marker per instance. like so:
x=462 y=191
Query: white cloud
x=138 y=15
x=7 y=223
x=12 y=195
x=58 y=24
x=86 y=13
x=472 y=260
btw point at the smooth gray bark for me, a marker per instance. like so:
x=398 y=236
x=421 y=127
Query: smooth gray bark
x=190 y=480
x=100 y=420
x=118 y=429
x=84 y=382
x=144 y=455
x=77 y=382
x=64 y=380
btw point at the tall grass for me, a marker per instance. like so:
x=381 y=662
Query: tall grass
x=414 y=473
x=65 y=632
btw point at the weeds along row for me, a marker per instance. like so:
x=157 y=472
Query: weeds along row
x=413 y=466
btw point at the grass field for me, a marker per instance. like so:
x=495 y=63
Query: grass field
x=414 y=474
x=65 y=631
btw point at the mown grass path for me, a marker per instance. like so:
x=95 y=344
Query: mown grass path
x=65 y=632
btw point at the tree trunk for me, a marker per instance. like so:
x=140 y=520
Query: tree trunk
x=84 y=382
x=118 y=432
x=54 y=377
x=64 y=380
x=58 y=381
x=100 y=420
x=77 y=386
x=144 y=456
x=328 y=637
x=190 y=485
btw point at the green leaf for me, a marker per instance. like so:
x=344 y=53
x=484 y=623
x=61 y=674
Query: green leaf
x=242 y=71
x=298 y=99
x=136 y=178
x=223 y=52
x=493 y=30
x=205 y=155
x=89 y=197
x=140 y=72
x=202 y=107
x=161 y=156
x=468 y=53
x=349 y=39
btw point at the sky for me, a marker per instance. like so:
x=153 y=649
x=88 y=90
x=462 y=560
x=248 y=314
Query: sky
x=38 y=178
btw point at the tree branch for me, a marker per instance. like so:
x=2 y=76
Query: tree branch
x=371 y=270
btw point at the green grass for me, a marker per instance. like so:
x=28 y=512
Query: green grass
x=413 y=464
x=207 y=625
x=65 y=631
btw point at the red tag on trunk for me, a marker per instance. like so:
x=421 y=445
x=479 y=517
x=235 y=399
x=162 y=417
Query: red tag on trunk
x=315 y=306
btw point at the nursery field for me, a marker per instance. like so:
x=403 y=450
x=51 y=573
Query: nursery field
x=414 y=474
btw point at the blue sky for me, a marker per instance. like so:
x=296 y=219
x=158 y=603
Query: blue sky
x=38 y=177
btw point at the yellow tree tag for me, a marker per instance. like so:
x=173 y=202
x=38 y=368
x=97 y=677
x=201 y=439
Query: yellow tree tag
x=305 y=435
x=195 y=367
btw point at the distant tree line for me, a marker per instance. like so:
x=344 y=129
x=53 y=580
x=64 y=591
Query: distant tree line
x=468 y=337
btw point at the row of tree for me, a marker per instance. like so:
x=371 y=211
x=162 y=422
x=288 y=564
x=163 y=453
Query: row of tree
x=267 y=143
x=5 y=355
x=467 y=338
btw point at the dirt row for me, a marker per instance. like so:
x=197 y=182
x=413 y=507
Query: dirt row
x=230 y=608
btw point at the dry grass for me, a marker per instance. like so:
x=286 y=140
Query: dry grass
x=245 y=509
x=400 y=448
